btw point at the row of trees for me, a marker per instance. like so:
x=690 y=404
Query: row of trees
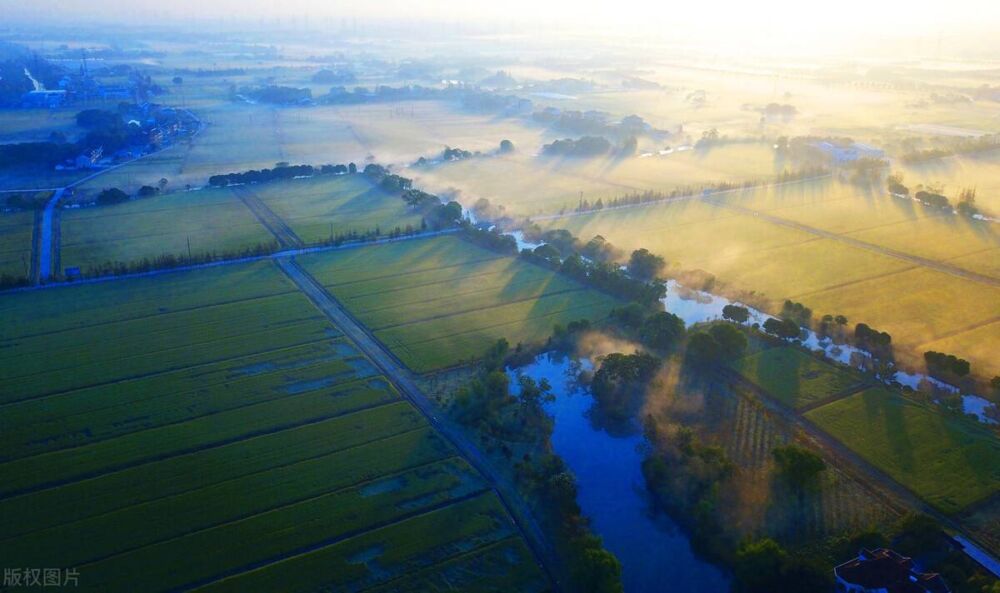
x=279 y=172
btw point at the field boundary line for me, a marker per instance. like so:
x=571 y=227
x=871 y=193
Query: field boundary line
x=245 y=515
x=432 y=567
x=36 y=238
x=362 y=482
x=228 y=262
x=478 y=309
x=397 y=373
x=166 y=455
x=271 y=399
x=961 y=330
x=141 y=376
x=267 y=217
x=148 y=316
x=250 y=515
x=333 y=541
x=938 y=266
x=873 y=479
x=843 y=393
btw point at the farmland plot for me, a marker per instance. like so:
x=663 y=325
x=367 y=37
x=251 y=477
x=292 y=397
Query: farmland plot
x=198 y=222
x=951 y=462
x=177 y=415
x=795 y=378
x=321 y=208
x=16 y=229
x=440 y=302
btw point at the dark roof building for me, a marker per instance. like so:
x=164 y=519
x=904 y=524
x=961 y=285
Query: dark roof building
x=885 y=571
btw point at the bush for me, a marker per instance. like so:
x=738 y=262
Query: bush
x=112 y=196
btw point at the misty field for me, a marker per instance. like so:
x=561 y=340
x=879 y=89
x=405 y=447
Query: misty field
x=441 y=302
x=226 y=413
x=209 y=220
x=321 y=208
x=951 y=462
x=772 y=258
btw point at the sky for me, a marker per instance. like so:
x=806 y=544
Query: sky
x=746 y=18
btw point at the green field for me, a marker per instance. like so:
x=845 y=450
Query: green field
x=212 y=220
x=212 y=428
x=16 y=229
x=321 y=207
x=793 y=377
x=440 y=302
x=951 y=462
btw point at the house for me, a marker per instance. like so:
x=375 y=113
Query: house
x=885 y=571
x=852 y=152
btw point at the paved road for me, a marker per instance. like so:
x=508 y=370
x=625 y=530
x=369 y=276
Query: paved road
x=907 y=257
x=51 y=212
x=392 y=368
x=285 y=236
x=45 y=238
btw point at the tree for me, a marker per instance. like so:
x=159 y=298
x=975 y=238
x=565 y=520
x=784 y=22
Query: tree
x=631 y=315
x=111 y=196
x=506 y=146
x=783 y=328
x=732 y=342
x=598 y=571
x=662 y=330
x=352 y=168
x=736 y=313
x=799 y=466
x=702 y=349
x=758 y=567
x=147 y=191
x=645 y=265
x=178 y=80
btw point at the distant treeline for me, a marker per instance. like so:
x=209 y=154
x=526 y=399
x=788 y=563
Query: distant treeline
x=202 y=72
x=653 y=196
x=279 y=173
x=964 y=145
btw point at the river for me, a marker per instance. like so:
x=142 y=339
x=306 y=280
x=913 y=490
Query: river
x=656 y=555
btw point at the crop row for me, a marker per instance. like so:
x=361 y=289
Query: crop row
x=77 y=463
x=92 y=414
x=146 y=523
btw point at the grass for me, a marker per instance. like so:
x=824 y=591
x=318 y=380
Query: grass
x=951 y=462
x=441 y=302
x=16 y=229
x=793 y=377
x=321 y=207
x=212 y=220
x=177 y=415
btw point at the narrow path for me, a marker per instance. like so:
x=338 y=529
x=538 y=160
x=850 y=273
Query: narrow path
x=272 y=222
x=396 y=372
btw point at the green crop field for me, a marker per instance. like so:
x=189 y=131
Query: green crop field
x=16 y=229
x=441 y=302
x=211 y=428
x=321 y=207
x=793 y=377
x=210 y=219
x=950 y=461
